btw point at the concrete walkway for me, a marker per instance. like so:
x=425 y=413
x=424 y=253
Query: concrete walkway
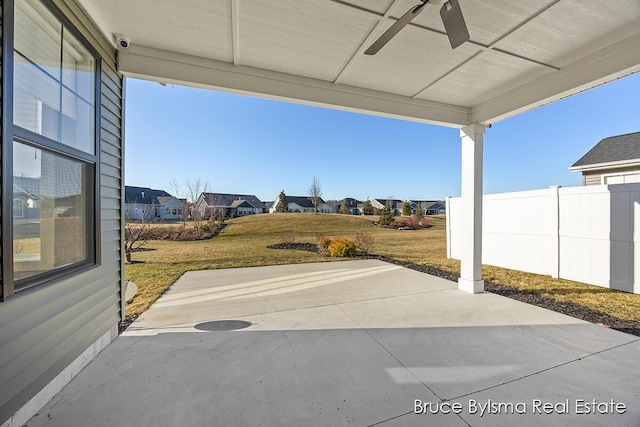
x=350 y=343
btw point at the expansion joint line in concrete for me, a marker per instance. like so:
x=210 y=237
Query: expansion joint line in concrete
x=551 y=368
x=390 y=354
x=379 y=423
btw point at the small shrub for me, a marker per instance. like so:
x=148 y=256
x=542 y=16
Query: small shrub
x=160 y=233
x=364 y=242
x=413 y=222
x=206 y=226
x=406 y=208
x=424 y=222
x=397 y=223
x=323 y=245
x=386 y=215
x=342 y=247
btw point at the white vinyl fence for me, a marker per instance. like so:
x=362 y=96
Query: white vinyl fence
x=587 y=234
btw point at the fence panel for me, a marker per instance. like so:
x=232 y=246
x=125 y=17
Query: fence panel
x=587 y=234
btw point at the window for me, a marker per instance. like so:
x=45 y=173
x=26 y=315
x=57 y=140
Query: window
x=621 y=178
x=49 y=147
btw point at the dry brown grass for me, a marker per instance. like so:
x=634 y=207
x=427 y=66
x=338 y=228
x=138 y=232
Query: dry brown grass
x=243 y=243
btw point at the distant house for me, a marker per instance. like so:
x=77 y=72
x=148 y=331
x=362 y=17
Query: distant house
x=333 y=204
x=144 y=202
x=171 y=207
x=396 y=205
x=226 y=205
x=613 y=160
x=299 y=204
x=429 y=207
x=354 y=206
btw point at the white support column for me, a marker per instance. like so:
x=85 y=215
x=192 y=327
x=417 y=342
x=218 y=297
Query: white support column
x=471 y=261
x=448 y=223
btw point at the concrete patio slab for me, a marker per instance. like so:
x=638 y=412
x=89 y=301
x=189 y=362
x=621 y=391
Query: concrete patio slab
x=349 y=343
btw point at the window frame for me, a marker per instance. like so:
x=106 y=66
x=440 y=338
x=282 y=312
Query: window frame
x=11 y=133
x=605 y=176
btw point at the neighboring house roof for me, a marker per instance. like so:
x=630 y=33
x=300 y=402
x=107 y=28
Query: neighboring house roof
x=430 y=204
x=68 y=182
x=303 y=202
x=395 y=203
x=241 y=204
x=143 y=195
x=163 y=200
x=614 y=151
x=227 y=200
x=27 y=187
x=351 y=202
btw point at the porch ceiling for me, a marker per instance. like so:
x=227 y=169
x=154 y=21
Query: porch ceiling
x=521 y=54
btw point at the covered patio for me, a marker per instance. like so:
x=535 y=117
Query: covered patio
x=325 y=350
x=350 y=343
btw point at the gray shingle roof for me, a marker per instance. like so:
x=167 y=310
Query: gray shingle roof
x=304 y=202
x=430 y=204
x=165 y=199
x=227 y=200
x=613 y=149
x=143 y=195
x=241 y=204
x=395 y=203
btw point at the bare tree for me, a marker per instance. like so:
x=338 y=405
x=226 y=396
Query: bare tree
x=217 y=212
x=138 y=229
x=175 y=187
x=176 y=190
x=315 y=193
x=196 y=187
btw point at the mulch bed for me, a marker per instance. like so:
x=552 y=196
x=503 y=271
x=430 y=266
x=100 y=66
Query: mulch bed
x=126 y=322
x=309 y=247
x=180 y=234
x=570 y=309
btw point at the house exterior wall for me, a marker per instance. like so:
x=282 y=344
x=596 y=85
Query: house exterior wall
x=595 y=177
x=44 y=330
x=294 y=207
x=170 y=209
x=377 y=205
x=199 y=207
x=243 y=211
x=587 y=234
x=324 y=208
x=137 y=211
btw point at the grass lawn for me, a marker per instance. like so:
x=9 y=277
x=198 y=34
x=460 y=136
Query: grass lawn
x=244 y=241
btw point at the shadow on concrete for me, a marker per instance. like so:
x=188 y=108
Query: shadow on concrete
x=222 y=325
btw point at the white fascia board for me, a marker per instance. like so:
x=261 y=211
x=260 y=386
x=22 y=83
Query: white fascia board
x=176 y=68
x=613 y=62
x=607 y=165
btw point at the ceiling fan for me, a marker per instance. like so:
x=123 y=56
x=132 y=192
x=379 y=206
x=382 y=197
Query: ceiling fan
x=452 y=19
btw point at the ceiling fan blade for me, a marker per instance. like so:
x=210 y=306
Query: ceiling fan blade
x=454 y=23
x=395 y=29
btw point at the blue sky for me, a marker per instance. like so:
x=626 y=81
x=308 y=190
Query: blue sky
x=247 y=145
